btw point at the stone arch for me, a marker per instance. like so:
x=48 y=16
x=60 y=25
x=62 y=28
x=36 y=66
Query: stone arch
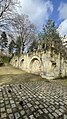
x=22 y=63
x=35 y=65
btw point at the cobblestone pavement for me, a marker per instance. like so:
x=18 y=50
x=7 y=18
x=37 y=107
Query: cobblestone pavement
x=33 y=100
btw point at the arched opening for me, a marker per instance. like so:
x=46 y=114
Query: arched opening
x=53 y=64
x=35 y=66
x=22 y=64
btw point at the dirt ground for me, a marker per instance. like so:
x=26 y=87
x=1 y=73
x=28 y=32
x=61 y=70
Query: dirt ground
x=9 y=74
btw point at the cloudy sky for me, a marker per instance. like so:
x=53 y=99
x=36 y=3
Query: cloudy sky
x=39 y=11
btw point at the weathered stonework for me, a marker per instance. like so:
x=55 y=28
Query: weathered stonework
x=48 y=65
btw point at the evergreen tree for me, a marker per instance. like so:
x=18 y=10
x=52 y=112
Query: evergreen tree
x=3 y=41
x=12 y=47
x=18 y=46
x=51 y=36
x=34 y=45
x=53 y=40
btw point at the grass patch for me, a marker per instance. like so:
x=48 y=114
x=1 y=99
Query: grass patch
x=19 y=78
x=11 y=75
x=5 y=59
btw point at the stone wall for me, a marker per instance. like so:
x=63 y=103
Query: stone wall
x=43 y=63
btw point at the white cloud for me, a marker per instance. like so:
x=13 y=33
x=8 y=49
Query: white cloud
x=62 y=11
x=63 y=16
x=37 y=10
x=63 y=28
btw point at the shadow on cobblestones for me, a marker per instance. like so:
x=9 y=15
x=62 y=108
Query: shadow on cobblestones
x=41 y=100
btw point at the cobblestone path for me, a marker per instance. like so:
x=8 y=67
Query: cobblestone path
x=33 y=100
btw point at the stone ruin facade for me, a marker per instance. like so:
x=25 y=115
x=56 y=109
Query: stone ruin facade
x=42 y=63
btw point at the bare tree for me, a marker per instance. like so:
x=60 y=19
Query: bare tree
x=24 y=28
x=6 y=7
x=7 y=11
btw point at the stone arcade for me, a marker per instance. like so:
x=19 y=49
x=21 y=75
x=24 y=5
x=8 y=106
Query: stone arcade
x=47 y=65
